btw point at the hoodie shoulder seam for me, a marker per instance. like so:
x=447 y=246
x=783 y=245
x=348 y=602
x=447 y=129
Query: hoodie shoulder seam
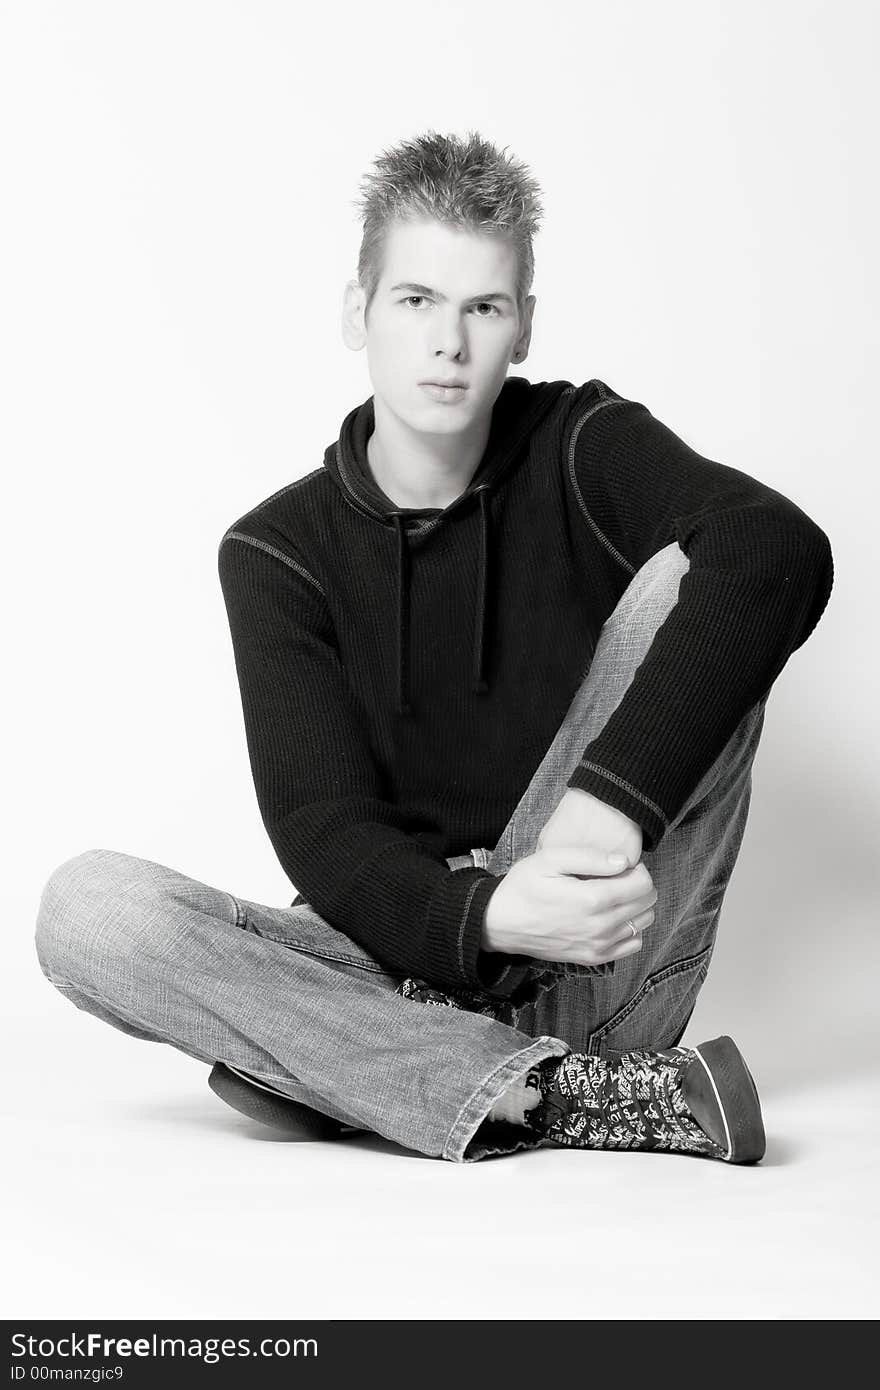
x=279 y=555
x=288 y=487
x=604 y=401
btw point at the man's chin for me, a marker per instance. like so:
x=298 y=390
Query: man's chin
x=417 y=411
x=443 y=417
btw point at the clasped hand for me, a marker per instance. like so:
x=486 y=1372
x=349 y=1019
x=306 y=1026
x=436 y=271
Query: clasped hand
x=569 y=901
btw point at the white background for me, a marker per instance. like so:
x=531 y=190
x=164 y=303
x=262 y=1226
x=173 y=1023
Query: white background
x=178 y=183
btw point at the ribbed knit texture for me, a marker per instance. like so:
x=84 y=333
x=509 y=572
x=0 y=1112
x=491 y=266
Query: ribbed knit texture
x=403 y=671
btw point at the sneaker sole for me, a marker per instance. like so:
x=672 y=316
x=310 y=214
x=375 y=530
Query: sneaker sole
x=737 y=1097
x=270 y=1107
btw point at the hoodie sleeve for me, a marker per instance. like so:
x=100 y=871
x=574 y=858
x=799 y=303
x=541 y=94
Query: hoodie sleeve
x=338 y=840
x=760 y=576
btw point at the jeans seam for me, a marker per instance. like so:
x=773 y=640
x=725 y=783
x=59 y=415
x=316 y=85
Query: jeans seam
x=240 y=914
x=308 y=949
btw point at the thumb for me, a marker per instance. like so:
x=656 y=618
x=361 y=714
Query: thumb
x=585 y=859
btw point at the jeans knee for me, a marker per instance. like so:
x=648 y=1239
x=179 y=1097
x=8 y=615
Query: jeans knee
x=75 y=906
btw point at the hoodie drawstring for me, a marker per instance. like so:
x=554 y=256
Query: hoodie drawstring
x=480 y=685
x=403 y=705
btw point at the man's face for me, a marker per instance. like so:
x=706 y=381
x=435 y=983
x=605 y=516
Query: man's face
x=444 y=309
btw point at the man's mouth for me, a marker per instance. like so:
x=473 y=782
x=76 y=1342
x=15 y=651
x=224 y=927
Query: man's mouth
x=441 y=392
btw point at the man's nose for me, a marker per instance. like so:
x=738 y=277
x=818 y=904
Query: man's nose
x=449 y=336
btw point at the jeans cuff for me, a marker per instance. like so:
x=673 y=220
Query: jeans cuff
x=462 y=1146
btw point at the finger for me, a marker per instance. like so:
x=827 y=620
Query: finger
x=611 y=924
x=604 y=901
x=635 y=888
x=634 y=926
x=630 y=947
x=630 y=911
x=585 y=859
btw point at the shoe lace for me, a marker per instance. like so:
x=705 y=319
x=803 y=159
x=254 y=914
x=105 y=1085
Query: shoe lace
x=652 y=1123
x=639 y=1084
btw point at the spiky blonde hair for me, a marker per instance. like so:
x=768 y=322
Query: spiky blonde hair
x=466 y=182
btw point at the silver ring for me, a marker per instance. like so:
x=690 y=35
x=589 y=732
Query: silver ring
x=631 y=926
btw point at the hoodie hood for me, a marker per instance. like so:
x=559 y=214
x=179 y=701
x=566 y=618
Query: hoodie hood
x=519 y=407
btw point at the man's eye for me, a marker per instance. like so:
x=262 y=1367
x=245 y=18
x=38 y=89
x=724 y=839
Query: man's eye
x=415 y=300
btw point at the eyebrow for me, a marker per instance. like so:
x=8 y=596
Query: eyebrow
x=426 y=289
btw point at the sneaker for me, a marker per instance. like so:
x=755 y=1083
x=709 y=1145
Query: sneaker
x=262 y=1102
x=699 y=1100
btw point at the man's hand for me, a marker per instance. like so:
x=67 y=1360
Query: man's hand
x=569 y=905
x=544 y=908
x=582 y=819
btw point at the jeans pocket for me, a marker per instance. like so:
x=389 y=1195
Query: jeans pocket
x=302 y=929
x=658 y=1012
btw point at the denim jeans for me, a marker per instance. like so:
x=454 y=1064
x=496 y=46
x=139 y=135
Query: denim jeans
x=279 y=994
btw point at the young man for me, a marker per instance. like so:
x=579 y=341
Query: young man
x=503 y=660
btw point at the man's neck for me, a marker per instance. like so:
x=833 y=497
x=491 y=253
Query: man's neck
x=422 y=470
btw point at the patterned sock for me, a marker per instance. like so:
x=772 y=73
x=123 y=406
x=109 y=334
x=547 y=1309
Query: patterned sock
x=519 y=1098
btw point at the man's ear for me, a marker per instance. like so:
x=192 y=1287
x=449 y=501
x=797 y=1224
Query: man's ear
x=354 y=331
x=521 y=346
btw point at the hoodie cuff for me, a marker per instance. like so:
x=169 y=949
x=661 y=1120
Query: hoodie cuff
x=500 y=975
x=614 y=791
x=455 y=935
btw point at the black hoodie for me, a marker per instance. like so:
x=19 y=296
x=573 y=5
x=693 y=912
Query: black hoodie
x=518 y=410
x=403 y=670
